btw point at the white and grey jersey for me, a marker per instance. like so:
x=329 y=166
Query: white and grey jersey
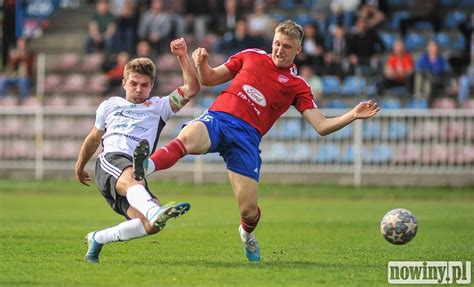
x=126 y=123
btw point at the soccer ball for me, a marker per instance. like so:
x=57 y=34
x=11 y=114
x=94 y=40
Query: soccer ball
x=398 y=226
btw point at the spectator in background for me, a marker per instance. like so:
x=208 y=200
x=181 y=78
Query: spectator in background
x=422 y=11
x=199 y=14
x=331 y=67
x=398 y=70
x=313 y=80
x=115 y=74
x=342 y=13
x=176 y=10
x=155 y=26
x=18 y=69
x=260 y=23
x=101 y=29
x=240 y=40
x=364 y=45
x=430 y=69
x=127 y=23
x=371 y=12
x=312 y=47
x=143 y=50
x=337 y=43
x=227 y=21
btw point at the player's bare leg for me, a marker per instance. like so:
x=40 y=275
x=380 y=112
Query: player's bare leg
x=246 y=193
x=193 y=139
x=147 y=216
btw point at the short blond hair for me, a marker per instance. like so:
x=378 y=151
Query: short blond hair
x=142 y=66
x=291 y=29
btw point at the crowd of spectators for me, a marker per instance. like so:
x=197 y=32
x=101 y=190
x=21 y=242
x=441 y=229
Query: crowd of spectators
x=369 y=39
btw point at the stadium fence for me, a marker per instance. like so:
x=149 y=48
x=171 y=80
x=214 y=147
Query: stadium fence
x=396 y=147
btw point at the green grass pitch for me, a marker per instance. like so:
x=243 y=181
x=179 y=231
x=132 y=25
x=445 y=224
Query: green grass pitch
x=309 y=236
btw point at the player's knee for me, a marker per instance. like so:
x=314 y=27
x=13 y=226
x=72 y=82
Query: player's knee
x=248 y=211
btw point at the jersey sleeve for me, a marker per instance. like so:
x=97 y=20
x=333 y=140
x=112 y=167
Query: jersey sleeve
x=163 y=105
x=234 y=63
x=304 y=99
x=100 y=117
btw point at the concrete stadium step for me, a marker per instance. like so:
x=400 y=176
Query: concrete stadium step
x=60 y=42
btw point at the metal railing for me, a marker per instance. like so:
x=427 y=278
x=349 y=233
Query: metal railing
x=42 y=139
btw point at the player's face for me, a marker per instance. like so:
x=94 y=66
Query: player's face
x=284 y=50
x=137 y=88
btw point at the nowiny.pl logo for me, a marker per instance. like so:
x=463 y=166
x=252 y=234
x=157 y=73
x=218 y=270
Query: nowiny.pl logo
x=429 y=272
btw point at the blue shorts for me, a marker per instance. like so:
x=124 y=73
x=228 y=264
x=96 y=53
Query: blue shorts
x=236 y=141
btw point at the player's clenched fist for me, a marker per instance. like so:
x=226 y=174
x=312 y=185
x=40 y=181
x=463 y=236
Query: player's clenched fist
x=178 y=47
x=200 y=55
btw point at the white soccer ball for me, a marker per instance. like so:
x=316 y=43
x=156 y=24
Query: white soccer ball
x=399 y=226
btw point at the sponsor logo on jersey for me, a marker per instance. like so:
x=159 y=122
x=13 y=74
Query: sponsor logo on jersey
x=282 y=79
x=255 y=95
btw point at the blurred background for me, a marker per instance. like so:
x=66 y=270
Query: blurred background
x=61 y=58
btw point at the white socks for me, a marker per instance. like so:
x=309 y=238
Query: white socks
x=140 y=199
x=150 y=167
x=124 y=231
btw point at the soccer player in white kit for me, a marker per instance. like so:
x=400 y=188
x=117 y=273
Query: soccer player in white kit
x=120 y=125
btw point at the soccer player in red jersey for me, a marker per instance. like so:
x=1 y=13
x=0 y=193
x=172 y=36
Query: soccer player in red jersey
x=263 y=87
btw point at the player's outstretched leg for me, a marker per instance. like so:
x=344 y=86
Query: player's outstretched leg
x=251 y=248
x=159 y=216
x=93 y=248
x=140 y=159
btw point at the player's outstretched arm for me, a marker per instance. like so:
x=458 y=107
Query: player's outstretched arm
x=209 y=76
x=88 y=148
x=325 y=126
x=191 y=83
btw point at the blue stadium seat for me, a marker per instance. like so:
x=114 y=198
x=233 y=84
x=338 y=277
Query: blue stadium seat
x=443 y=39
x=388 y=39
x=331 y=85
x=290 y=129
x=303 y=19
x=279 y=17
x=454 y=18
x=390 y=103
x=205 y=101
x=309 y=132
x=397 y=130
x=417 y=104
x=353 y=85
x=344 y=133
x=328 y=153
x=371 y=129
x=396 y=17
x=219 y=88
x=287 y=4
x=379 y=154
x=348 y=154
x=415 y=41
x=458 y=41
x=298 y=152
x=336 y=104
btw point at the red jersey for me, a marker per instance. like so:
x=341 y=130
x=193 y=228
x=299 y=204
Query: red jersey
x=260 y=91
x=400 y=64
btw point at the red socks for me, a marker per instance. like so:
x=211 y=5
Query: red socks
x=250 y=225
x=165 y=157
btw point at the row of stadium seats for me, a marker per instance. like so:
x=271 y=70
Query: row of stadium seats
x=417 y=41
x=375 y=154
x=288 y=129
